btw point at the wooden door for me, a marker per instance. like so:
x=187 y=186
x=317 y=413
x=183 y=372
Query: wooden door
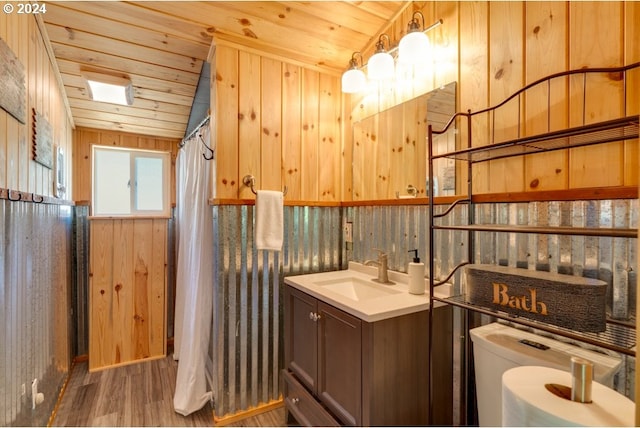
x=301 y=344
x=127 y=297
x=340 y=363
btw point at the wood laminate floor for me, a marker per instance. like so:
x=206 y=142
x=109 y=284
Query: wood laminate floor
x=136 y=395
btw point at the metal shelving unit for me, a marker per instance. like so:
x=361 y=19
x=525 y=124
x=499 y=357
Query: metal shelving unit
x=619 y=337
x=586 y=135
x=583 y=231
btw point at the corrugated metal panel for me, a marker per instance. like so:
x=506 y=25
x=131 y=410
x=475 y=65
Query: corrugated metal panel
x=80 y=296
x=247 y=348
x=171 y=273
x=35 y=278
x=396 y=229
x=612 y=260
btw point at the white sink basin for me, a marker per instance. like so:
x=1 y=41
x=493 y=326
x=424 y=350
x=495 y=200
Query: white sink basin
x=357 y=289
x=355 y=292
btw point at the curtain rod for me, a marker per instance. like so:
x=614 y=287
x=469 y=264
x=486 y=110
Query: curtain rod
x=200 y=125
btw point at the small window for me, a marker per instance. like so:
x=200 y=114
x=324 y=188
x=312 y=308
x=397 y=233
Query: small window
x=130 y=182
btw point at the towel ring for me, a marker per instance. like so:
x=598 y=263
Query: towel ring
x=250 y=181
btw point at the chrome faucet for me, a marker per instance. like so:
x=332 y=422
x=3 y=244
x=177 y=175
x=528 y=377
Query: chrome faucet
x=381 y=263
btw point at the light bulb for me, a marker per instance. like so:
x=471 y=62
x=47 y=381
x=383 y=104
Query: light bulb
x=353 y=80
x=414 y=48
x=381 y=66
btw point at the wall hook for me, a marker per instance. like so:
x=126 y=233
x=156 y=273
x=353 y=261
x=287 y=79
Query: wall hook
x=11 y=199
x=208 y=157
x=250 y=181
x=33 y=198
x=211 y=153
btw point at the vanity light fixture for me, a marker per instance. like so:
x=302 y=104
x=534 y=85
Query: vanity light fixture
x=414 y=49
x=381 y=65
x=354 y=80
x=109 y=88
x=414 y=46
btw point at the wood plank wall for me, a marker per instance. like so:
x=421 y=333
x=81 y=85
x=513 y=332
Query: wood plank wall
x=127 y=291
x=18 y=170
x=494 y=48
x=277 y=121
x=85 y=138
x=127 y=264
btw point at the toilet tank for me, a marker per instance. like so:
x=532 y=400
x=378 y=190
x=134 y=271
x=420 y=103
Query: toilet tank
x=498 y=348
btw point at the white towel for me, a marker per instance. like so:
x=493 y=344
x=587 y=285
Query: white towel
x=269 y=213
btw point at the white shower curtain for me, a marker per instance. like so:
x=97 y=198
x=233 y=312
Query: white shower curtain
x=194 y=276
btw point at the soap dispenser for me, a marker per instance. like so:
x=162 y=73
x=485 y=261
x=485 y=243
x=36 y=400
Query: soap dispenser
x=416 y=274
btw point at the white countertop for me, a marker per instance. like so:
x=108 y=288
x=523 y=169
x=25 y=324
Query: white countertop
x=398 y=302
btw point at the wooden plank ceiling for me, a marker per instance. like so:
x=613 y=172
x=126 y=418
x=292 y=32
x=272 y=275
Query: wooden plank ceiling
x=161 y=47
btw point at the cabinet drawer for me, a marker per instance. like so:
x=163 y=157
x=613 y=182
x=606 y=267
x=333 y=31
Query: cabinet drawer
x=303 y=406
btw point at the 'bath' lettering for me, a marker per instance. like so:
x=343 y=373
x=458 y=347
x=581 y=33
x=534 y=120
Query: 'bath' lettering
x=524 y=303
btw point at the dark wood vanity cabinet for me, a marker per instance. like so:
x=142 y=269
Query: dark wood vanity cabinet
x=341 y=370
x=324 y=353
x=301 y=337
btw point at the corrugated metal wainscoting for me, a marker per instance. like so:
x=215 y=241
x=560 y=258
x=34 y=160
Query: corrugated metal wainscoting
x=35 y=294
x=398 y=229
x=247 y=347
x=612 y=260
x=80 y=294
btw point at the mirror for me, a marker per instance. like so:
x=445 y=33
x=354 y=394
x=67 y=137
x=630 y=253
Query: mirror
x=390 y=148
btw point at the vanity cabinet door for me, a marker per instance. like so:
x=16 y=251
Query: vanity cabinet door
x=340 y=363
x=301 y=337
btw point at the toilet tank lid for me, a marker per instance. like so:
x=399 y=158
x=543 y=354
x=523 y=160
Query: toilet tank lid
x=506 y=342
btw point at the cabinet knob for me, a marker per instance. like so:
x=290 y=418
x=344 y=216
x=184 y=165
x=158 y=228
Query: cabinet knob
x=313 y=316
x=295 y=400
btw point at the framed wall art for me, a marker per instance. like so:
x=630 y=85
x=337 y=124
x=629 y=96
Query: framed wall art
x=42 y=140
x=12 y=88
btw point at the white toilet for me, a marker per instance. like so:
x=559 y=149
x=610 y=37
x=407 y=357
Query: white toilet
x=498 y=348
